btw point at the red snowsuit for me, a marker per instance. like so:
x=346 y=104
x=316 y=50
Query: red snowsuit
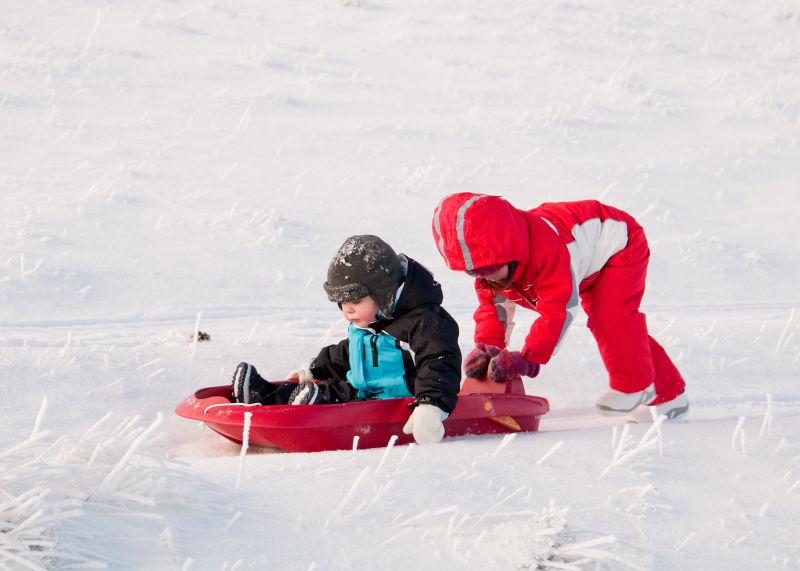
x=564 y=250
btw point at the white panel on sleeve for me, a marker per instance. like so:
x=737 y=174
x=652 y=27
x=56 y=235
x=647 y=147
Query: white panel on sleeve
x=505 y=309
x=572 y=305
x=570 y=317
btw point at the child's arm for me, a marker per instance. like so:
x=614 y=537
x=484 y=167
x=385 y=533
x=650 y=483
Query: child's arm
x=489 y=328
x=333 y=362
x=558 y=296
x=434 y=341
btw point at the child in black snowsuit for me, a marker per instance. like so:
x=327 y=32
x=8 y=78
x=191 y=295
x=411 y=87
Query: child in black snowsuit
x=400 y=342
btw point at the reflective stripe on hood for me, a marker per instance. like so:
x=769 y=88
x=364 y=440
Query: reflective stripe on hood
x=475 y=230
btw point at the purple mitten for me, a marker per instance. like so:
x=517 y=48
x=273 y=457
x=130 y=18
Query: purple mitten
x=509 y=364
x=477 y=362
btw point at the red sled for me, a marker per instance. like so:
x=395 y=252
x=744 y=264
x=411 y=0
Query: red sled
x=483 y=407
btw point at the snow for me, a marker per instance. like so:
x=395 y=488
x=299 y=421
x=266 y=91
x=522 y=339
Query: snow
x=169 y=168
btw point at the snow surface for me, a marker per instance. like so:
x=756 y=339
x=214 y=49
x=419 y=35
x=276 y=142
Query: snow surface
x=168 y=162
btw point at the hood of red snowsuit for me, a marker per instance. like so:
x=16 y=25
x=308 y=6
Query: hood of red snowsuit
x=475 y=230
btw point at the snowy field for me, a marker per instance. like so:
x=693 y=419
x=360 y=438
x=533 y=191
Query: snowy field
x=164 y=162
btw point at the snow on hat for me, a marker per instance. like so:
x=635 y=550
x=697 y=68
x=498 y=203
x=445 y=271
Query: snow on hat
x=364 y=265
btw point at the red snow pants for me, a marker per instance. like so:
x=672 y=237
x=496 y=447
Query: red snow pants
x=611 y=299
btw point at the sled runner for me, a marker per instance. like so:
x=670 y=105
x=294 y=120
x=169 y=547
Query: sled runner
x=483 y=407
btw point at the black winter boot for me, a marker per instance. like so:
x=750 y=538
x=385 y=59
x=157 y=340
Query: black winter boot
x=306 y=392
x=248 y=386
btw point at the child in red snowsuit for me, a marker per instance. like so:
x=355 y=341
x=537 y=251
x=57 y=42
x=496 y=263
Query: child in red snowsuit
x=547 y=259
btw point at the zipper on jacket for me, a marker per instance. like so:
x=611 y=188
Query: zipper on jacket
x=374 y=342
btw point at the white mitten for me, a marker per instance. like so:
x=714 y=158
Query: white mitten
x=426 y=424
x=302 y=373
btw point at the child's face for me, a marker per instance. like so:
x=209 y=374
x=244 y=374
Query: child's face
x=361 y=312
x=499 y=279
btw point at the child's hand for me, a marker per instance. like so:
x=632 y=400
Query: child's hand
x=477 y=362
x=303 y=373
x=507 y=365
x=426 y=424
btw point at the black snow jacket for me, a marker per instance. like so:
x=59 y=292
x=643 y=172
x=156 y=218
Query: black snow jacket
x=427 y=336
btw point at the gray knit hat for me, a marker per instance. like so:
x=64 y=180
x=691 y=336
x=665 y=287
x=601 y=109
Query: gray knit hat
x=365 y=265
